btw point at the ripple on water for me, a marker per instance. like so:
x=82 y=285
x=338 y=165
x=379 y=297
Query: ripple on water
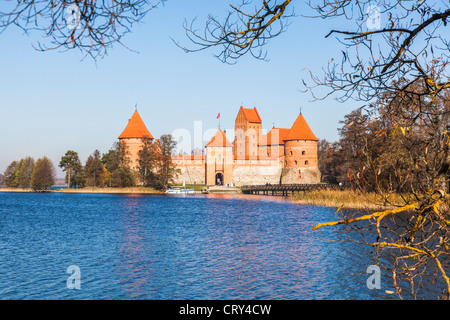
x=159 y=247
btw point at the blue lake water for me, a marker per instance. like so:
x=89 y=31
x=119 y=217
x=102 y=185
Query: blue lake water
x=175 y=247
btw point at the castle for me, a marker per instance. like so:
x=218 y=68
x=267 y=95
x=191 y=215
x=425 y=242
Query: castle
x=282 y=156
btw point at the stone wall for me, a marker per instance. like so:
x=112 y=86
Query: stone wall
x=196 y=173
x=295 y=175
x=253 y=174
x=256 y=175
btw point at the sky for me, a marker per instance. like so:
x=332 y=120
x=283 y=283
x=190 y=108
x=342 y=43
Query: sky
x=51 y=102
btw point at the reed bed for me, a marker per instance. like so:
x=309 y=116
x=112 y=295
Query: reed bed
x=348 y=199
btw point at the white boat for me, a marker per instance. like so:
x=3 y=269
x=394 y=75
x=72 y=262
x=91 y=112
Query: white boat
x=179 y=191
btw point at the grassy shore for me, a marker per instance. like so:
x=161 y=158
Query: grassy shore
x=196 y=187
x=15 y=190
x=349 y=199
x=110 y=190
x=92 y=190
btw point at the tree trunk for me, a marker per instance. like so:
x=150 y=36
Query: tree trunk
x=68 y=179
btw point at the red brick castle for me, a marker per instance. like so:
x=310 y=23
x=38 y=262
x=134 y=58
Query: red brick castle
x=283 y=155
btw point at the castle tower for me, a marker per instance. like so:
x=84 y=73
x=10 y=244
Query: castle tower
x=300 y=149
x=219 y=160
x=133 y=138
x=247 y=131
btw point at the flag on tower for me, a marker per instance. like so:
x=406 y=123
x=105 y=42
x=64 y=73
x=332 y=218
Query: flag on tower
x=218 y=116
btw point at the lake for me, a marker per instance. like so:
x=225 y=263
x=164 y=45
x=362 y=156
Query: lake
x=175 y=247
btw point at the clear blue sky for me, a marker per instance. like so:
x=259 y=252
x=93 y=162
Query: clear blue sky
x=52 y=102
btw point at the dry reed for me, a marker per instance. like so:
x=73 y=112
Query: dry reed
x=349 y=199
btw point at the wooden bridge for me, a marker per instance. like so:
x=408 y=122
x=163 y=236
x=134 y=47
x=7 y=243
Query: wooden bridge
x=282 y=189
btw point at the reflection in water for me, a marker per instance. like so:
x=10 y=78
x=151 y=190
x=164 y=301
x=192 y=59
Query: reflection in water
x=259 y=255
x=132 y=268
x=241 y=196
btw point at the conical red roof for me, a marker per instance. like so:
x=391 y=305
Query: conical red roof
x=300 y=130
x=135 y=128
x=219 y=140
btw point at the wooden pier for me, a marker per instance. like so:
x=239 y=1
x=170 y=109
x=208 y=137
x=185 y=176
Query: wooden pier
x=282 y=189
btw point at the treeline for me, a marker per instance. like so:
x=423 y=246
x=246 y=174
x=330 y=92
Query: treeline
x=386 y=149
x=28 y=173
x=107 y=170
x=111 y=169
x=156 y=168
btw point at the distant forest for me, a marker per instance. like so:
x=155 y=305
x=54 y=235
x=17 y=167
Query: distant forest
x=111 y=169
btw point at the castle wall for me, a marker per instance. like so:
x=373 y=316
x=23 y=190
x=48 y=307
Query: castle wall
x=250 y=173
x=300 y=176
x=195 y=173
x=257 y=174
x=272 y=151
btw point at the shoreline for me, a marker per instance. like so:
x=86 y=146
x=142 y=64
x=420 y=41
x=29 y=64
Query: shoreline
x=110 y=190
x=346 y=199
x=88 y=190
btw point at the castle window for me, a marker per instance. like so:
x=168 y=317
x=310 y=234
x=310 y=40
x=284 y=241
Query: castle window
x=295 y=162
x=303 y=153
x=291 y=153
x=306 y=162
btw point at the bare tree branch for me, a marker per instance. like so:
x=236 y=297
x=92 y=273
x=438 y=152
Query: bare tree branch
x=241 y=31
x=90 y=26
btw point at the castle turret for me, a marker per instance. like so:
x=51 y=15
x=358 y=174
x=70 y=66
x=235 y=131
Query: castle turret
x=300 y=149
x=133 y=138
